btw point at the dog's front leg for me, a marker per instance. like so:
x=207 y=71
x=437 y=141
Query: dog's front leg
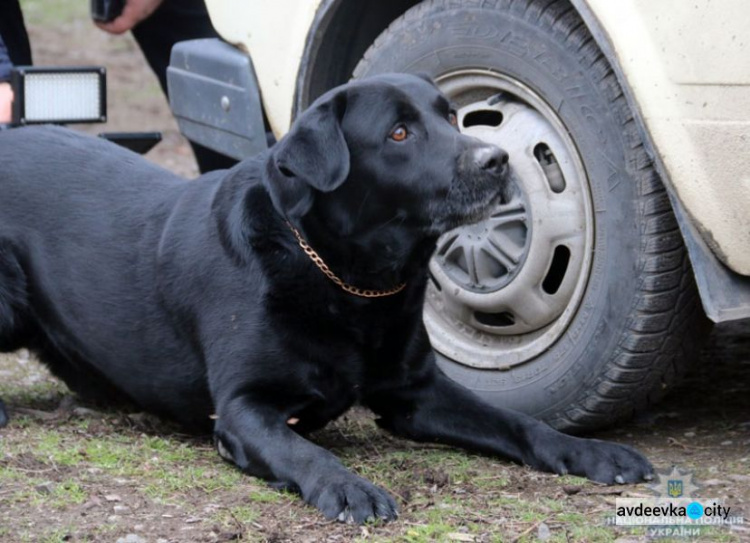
x=258 y=440
x=438 y=409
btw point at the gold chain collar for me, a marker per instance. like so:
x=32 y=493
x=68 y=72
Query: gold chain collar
x=320 y=263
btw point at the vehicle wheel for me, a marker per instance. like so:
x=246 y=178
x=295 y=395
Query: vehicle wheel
x=575 y=301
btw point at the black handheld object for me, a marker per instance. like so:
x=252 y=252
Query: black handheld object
x=105 y=11
x=138 y=142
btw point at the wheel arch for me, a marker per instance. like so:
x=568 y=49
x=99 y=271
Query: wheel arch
x=340 y=34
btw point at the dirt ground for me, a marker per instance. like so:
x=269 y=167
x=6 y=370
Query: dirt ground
x=72 y=472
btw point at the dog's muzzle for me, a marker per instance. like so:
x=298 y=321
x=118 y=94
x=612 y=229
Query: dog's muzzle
x=480 y=184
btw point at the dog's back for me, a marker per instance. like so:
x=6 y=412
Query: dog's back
x=63 y=169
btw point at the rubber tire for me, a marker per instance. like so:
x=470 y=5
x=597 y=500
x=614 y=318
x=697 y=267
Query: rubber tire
x=636 y=326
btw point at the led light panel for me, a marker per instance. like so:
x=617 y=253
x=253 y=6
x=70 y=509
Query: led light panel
x=59 y=95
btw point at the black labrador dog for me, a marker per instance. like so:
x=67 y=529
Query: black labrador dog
x=263 y=301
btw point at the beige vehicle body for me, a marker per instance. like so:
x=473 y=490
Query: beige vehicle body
x=685 y=68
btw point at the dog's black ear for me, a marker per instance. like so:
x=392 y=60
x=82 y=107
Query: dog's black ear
x=312 y=156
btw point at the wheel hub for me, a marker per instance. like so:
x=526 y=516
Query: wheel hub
x=486 y=256
x=504 y=290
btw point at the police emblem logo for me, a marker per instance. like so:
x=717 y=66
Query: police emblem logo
x=674 y=484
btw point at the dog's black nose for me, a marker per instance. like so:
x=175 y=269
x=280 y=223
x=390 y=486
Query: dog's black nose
x=491 y=159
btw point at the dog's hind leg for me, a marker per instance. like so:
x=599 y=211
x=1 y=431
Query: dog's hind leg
x=19 y=328
x=3 y=414
x=13 y=304
x=13 y=298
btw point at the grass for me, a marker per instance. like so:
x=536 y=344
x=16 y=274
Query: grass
x=68 y=493
x=433 y=531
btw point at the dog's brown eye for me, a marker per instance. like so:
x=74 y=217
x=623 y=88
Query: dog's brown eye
x=399 y=133
x=453 y=119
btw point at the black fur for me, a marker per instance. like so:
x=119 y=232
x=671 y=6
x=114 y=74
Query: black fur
x=193 y=298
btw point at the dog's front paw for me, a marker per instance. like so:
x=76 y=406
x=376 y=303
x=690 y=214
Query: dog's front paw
x=597 y=460
x=349 y=498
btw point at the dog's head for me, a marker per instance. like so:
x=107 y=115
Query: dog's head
x=380 y=151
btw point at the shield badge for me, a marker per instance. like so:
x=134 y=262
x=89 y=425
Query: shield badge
x=674 y=488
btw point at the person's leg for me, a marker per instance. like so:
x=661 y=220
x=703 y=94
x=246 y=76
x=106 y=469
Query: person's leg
x=13 y=31
x=178 y=20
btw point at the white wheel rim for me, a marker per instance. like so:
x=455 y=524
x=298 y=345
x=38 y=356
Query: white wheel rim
x=505 y=290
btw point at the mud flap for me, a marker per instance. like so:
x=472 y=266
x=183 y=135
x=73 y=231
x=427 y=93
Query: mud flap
x=725 y=294
x=215 y=97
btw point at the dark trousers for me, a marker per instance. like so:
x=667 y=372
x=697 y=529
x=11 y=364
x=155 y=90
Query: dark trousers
x=13 y=31
x=178 y=20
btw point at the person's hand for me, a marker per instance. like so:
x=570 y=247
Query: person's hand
x=6 y=100
x=133 y=13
